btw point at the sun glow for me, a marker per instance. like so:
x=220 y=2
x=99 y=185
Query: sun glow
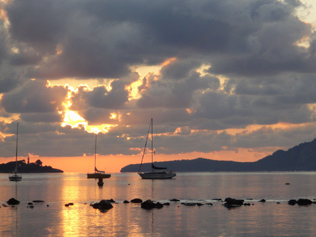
x=4 y=17
x=133 y=90
x=73 y=119
x=168 y=61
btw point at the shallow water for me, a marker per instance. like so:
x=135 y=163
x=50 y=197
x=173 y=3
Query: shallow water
x=259 y=219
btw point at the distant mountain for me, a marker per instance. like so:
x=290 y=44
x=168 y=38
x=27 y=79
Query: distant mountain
x=299 y=158
x=28 y=168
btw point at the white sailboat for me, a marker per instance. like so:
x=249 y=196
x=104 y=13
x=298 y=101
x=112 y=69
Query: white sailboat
x=97 y=173
x=154 y=174
x=14 y=176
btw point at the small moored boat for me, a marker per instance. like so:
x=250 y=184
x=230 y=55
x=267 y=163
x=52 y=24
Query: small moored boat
x=154 y=173
x=15 y=176
x=97 y=173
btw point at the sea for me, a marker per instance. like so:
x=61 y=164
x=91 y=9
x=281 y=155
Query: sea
x=52 y=217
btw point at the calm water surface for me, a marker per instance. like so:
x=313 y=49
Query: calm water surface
x=259 y=219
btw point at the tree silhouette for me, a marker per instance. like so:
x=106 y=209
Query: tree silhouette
x=39 y=162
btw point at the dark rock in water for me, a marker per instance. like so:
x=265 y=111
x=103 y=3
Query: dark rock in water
x=149 y=204
x=30 y=203
x=304 y=202
x=233 y=201
x=159 y=205
x=13 y=201
x=292 y=202
x=247 y=204
x=199 y=204
x=105 y=205
x=126 y=201
x=66 y=205
x=95 y=205
x=136 y=200
x=166 y=204
x=70 y=204
x=262 y=200
x=174 y=200
x=278 y=203
x=38 y=201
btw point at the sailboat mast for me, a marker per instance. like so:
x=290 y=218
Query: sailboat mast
x=16 y=148
x=152 y=143
x=95 y=153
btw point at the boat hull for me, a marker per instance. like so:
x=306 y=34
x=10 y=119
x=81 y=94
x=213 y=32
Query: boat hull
x=157 y=175
x=15 y=177
x=98 y=175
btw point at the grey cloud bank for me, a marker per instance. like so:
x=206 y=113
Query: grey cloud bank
x=259 y=59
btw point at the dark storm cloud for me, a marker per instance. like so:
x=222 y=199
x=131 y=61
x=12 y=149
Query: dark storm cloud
x=113 y=99
x=34 y=97
x=167 y=93
x=255 y=104
x=269 y=77
x=105 y=38
x=100 y=97
x=41 y=117
x=3 y=42
x=9 y=78
x=39 y=24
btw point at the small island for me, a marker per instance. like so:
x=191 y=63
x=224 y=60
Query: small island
x=23 y=167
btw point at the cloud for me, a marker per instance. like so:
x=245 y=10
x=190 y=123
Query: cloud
x=179 y=93
x=218 y=65
x=101 y=97
x=9 y=78
x=98 y=39
x=260 y=102
x=34 y=97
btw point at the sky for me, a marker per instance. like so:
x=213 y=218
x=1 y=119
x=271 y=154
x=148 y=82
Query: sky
x=226 y=80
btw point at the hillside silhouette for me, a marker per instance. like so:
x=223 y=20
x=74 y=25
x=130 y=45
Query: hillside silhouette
x=23 y=167
x=298 y=158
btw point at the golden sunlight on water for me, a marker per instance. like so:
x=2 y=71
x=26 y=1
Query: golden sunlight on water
x=176 y=219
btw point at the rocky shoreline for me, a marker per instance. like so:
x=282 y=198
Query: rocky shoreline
x=106 y=204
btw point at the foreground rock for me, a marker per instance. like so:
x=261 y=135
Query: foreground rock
x=13 y=201
x=149 y=204
x=103 y=205
x=300 y=202
x=136 y=200
x=232 y=202
x=292 y=202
